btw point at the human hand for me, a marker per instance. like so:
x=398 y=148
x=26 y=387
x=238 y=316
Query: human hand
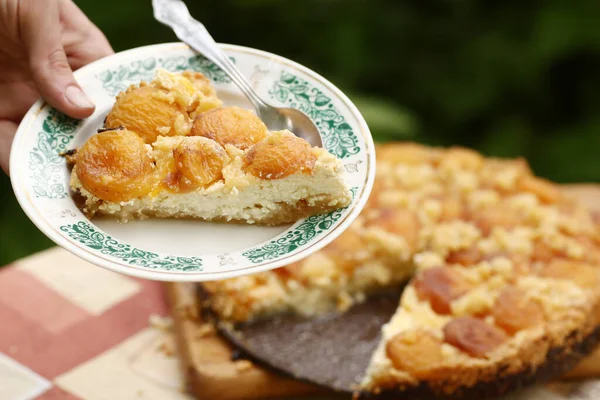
x=41 y=43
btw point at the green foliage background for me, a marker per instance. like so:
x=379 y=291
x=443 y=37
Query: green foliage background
x=508 y=78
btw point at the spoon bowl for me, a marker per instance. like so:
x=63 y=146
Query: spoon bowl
x=277 y=119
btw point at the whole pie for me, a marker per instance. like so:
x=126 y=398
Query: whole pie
x=170 y=149
x=502 y=273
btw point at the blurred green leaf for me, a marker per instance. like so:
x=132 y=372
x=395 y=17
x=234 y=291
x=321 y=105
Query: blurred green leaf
x=386 y=120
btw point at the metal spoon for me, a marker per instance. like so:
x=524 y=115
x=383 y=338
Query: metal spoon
x=176 y=15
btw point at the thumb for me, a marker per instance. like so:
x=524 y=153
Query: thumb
x=41 y=34
x=7 y=133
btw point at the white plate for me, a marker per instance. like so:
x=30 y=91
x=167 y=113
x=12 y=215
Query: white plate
x=177 y=250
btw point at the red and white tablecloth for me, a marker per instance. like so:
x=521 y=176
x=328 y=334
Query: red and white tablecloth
x=71 y=330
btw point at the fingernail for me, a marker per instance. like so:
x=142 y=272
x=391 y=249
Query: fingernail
x=76 y=97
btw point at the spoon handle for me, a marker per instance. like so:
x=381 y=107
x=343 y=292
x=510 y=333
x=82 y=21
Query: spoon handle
x=175 y=14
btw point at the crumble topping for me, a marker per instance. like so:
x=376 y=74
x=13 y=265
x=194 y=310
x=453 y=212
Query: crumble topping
x=498 y=256
x=460 y=200
x=170 y=150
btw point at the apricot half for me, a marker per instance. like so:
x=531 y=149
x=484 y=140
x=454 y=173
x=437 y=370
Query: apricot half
x=415 y=352
x=147 y=111
x=440 y=286
x=198 y=163
x=115 y=166
x=473 y=336
x=584 y=275
x=278 y=156
x=514 y=311
x=230 y=125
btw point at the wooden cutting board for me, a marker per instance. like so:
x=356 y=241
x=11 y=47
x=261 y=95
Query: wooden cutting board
x=213 y=373
x=208 y=361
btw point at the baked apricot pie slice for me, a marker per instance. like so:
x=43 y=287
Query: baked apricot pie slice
x=169 y=149
x=501 y=270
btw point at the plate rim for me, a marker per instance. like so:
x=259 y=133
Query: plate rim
x=42 y=223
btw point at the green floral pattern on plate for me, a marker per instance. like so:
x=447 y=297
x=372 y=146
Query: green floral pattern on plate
x=338 y=137
x=301 y=235
x=45 y=161
x=48 y=175
x=89 y=236
x=118 y=79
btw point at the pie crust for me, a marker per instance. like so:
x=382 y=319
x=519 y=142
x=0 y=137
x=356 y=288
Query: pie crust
x=502 y=273
x=169 y=149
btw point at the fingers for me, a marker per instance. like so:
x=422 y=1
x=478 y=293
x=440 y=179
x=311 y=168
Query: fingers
x=41 y=33
x=83 y=51
x=7 y=134
x=82 y=40
x=15 y=99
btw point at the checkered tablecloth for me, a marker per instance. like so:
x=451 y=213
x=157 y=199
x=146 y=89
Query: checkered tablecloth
x=70 y=330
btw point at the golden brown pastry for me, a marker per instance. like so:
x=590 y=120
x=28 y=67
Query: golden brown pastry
x=170 y=150
x=502 y=273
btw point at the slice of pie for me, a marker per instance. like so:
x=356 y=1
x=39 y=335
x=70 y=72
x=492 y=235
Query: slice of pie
x=503 y=274
x=169 y=149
